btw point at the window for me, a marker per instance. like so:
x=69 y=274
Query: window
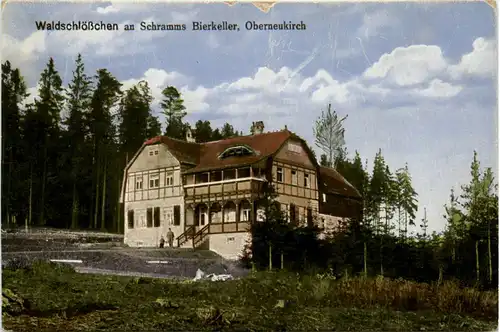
x=245 y=215
x=295 y=148
x=138 y=183
x=293 y=213
x=157 y=217
x=151 y=152
x=236 y=151
x=244 y=172
x=324 y=198
x=309 y=217
x=202 y=215
x=154 y=180
x=130 y=218
x=294 y=177
x=150 y=217
x=169 y=179
x=177 y=215
x=156 y=152
x=306 y=180
x=279 y=174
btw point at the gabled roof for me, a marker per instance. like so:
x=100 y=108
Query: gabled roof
x=332 y=182
x=184 y=152
x=206 y=155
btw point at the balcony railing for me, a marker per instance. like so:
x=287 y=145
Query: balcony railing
x=224 y=182
x=224 y=186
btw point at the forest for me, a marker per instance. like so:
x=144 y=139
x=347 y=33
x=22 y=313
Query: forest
x=63 y=156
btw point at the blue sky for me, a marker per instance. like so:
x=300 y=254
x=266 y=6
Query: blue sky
x=417 y=80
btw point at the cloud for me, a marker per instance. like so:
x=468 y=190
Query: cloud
x=107 y=10
x=481 y=62
x=406 y=66
x=438 y=88
x=21 y=51
x=376 y=22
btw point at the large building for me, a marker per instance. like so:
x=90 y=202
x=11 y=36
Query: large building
x=207 y=193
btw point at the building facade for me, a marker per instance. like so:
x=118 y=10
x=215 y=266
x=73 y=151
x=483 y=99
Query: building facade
x=208 y=193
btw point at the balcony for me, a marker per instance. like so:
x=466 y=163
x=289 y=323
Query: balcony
x=225 y=182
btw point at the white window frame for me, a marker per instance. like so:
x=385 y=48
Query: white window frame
x=307 y=184
x=295 y=148
x=245 y=214
x=169 y=179
x=138 y=183
x=203 y=218
x=154 y=181
x=295 y=177
x=279 y=171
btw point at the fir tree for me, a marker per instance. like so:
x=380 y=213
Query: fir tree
x=329 y=134
x=79 y=97
x=174 y=111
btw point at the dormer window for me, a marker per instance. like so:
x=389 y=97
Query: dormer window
x=237 y=151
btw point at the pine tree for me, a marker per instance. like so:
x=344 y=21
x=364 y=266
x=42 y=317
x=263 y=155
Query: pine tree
x=79 y=98
x=424 y=225
x=102 y=134
x=227 y=131
x=407 y=202
x=135 y=118
x=203 y=131
x=13 y=93
x=48 y=105
x=329 y=134
x=174 y=111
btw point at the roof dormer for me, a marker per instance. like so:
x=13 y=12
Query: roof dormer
x=237 y=151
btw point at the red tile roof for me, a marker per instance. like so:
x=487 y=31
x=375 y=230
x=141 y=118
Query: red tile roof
x=185 y=152
x=332 y=182
x=206 y=155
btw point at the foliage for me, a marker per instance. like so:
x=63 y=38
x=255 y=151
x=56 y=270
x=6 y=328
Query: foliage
x=263 y=301
x=329 y=134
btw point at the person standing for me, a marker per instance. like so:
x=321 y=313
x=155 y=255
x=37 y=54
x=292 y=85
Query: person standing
x=170 y=238
x=162 y=242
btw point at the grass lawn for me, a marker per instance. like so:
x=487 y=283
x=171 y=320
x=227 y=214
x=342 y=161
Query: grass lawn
x=51 y=297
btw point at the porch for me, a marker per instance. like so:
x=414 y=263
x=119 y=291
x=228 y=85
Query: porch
x=204 y=218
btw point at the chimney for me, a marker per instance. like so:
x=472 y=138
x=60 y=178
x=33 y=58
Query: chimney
x=257 y=127
x=189 y=136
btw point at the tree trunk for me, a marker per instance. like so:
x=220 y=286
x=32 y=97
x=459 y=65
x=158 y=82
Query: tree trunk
x=96 y=204
x=92 y=207
x=41 y=220
x=365 y=259
x=406 y=226
x=103 y=206
x=490 y=267
x=30 y=204
x=270 y=257
x=74 y=208
x=118 y=209
x=477 y=262
x=9 y=184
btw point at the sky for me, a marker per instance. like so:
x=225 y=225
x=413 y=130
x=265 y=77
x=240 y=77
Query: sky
x=417 y=80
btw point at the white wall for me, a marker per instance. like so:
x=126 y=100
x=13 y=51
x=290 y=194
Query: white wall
x=165 y=197
x=229 y=245
x=150 y=236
